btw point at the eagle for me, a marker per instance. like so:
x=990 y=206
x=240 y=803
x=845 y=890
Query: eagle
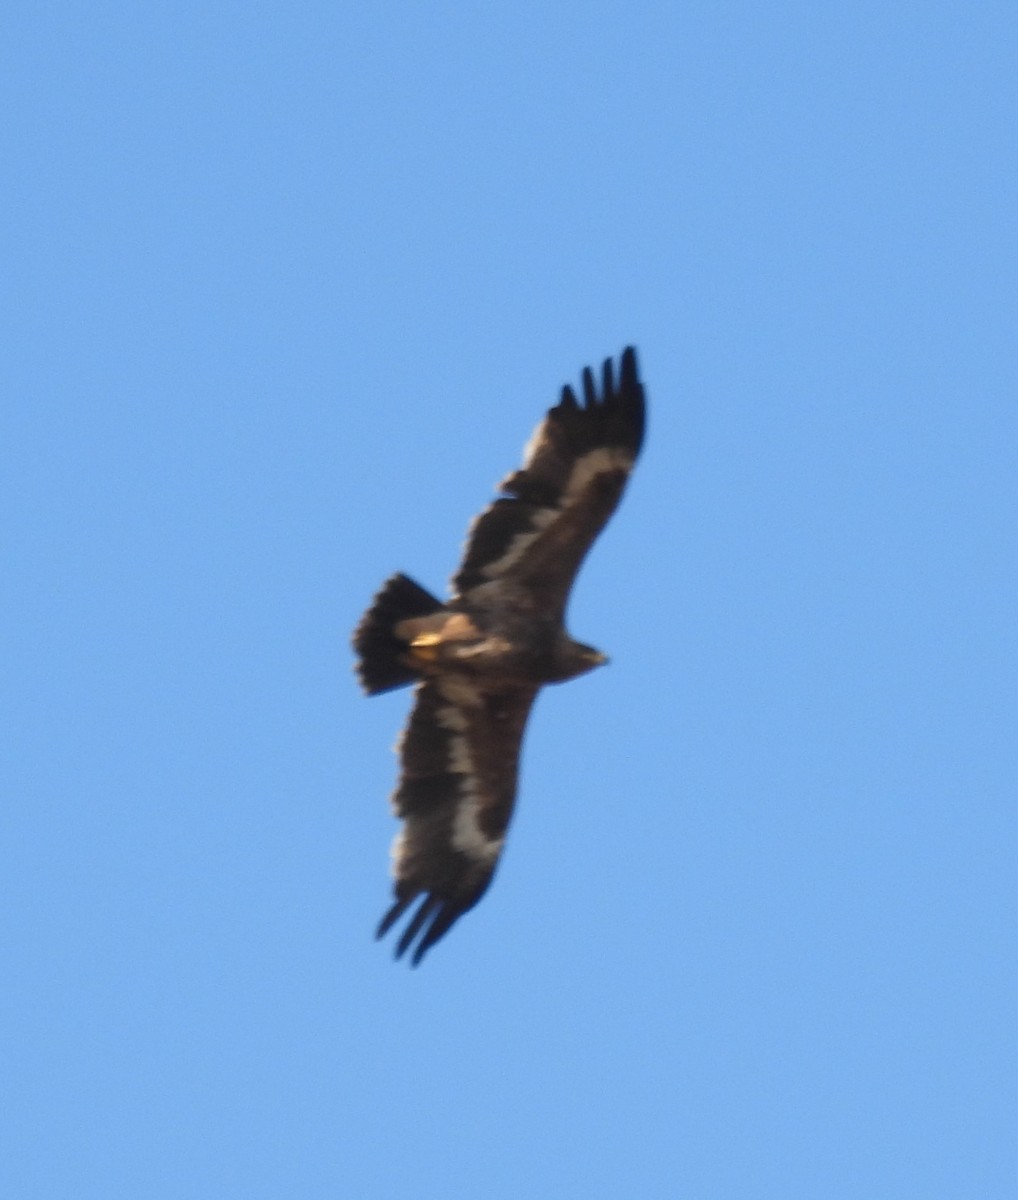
x=479 y=659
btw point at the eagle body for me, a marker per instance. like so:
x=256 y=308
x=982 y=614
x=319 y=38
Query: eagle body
x=509 y=646
x=479 y=660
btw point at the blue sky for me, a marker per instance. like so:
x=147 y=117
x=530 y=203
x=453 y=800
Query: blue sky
x=287 y=288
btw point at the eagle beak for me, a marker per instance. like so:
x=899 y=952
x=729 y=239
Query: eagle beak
x=597 y=659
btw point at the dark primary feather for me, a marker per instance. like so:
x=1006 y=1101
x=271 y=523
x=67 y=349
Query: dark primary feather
x=443 y=914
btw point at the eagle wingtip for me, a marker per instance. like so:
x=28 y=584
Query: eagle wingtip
x=434 y=917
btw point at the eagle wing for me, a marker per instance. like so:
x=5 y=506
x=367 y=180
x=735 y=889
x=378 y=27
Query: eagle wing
x=460 y=759
x=534 y=537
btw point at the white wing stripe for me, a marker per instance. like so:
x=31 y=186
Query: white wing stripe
x=585 y=470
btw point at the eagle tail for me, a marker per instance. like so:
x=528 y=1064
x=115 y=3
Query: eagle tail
x=381 y=654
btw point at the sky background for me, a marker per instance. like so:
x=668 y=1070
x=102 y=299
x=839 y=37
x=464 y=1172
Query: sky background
x=286 y=288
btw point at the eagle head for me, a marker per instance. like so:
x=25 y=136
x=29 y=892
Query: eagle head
x=574 y=658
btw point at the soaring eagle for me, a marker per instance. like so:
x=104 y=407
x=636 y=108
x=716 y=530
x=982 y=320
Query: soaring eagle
x=479 y=660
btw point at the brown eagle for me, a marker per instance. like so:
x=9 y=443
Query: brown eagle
x=480 y=659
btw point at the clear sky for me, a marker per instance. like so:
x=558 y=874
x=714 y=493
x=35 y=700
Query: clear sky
x=286 y=288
